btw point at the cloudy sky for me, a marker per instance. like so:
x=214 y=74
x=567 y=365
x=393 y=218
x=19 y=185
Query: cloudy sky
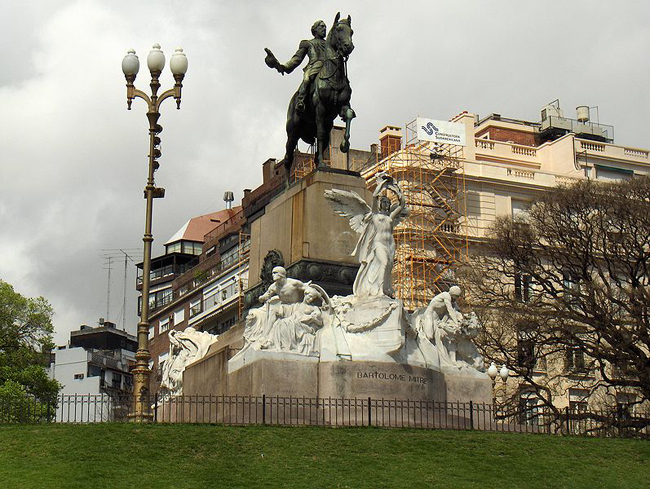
x=74 y=159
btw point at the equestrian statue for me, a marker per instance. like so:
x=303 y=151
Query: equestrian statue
x=324 y=92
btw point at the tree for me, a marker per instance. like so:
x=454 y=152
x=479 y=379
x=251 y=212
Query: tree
x=25 y=345
x=565 y=288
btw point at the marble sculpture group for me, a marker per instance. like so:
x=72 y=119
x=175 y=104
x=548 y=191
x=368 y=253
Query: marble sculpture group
x=299 y=320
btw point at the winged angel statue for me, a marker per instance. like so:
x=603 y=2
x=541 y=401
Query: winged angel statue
x=375 y=248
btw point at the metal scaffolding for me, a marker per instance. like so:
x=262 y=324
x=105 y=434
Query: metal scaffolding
x=431 y=242
x=244 y=256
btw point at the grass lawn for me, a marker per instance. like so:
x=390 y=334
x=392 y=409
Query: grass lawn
x=197 y=456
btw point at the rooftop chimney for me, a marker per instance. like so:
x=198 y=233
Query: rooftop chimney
x=390 y=140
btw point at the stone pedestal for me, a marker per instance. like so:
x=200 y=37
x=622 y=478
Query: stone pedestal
x=380 y=380
x=276 y=374
x=315 y=243
x=285 y=374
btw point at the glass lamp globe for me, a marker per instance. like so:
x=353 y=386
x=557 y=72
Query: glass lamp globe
x=156 y=59
x=130 y=64
x=504 y=373
x=493 y=371
x=178 y=62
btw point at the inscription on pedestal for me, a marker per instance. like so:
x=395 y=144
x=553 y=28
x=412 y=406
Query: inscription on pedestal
x=392 y=377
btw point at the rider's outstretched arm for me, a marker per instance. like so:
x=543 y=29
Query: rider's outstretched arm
x=297 y=58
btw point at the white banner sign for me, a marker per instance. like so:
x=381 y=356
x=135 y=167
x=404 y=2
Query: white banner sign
x=442 y=132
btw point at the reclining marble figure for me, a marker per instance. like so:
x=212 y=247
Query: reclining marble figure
x=185 y=347
x=289 y=319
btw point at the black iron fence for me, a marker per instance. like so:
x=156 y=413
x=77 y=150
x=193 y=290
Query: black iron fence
x=334 y=412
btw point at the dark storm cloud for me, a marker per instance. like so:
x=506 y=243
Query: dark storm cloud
x=74 y=159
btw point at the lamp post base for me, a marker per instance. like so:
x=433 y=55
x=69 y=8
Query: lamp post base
x=141 y=411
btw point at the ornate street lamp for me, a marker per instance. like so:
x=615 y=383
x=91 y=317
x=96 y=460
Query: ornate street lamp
x=130 y=66
x=493 y=372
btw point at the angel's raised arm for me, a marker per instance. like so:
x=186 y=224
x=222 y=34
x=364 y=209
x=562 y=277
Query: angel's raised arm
x=402 y=202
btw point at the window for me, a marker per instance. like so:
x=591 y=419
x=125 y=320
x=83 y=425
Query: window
x=211 y=251
x=571 y=287
x=179 y=316
x=164 y=297
x=227 y=324
x=173 y=248
x=625 y=405
x=529 y=408
x=191 y=248
x=164 y=325
x=93 y=371
x=519 y=208
x=157 y=299
x=523 y=287
x=578 y=400
x=575 y=358
x=195 y=307
x=151 y=332
x=117 y=380
x=619 y=370
x=230 y=257
x=578 y=404
x=78 y=376
x=611 y=174
x=526 y=348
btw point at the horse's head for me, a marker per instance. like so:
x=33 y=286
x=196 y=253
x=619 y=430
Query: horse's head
x=340 y=36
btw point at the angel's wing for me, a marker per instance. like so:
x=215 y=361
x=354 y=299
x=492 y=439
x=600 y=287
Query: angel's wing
x=348 y=204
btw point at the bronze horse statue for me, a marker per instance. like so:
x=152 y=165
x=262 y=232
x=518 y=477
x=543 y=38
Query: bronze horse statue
x=328 y=97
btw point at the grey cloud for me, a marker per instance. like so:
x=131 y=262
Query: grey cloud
x=74 y=159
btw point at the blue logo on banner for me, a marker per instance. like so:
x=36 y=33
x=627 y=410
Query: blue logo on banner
x=430 y=128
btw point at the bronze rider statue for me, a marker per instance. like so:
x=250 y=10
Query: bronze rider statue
x=315 y=50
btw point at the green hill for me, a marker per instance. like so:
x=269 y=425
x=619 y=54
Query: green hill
x=197 y=456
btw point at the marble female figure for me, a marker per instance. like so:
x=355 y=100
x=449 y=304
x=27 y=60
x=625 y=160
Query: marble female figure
x=375 y=248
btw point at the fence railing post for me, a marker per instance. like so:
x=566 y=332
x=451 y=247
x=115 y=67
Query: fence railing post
x=568 y=425
x=471 y=415
x=369 y=411
x=263 y=408
x=155 y=407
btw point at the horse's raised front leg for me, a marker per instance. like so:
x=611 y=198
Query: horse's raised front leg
x=292 y=142
x=347 y=114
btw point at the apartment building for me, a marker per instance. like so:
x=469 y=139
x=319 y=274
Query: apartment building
x=457 y=192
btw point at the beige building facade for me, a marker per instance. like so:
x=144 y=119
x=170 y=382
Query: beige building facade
x=505 y=165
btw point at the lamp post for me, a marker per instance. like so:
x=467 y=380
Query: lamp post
x=493 y=372
x=130 y=66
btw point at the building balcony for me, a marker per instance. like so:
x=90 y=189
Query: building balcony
x=500 y=151
x=612 y=152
